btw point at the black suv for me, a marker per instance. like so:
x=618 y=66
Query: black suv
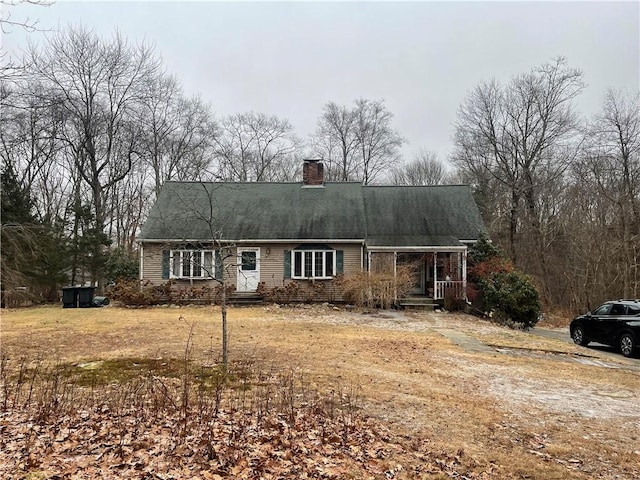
x=615 y=323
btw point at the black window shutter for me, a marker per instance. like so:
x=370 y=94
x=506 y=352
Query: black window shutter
x=218 y=267
x=287 y=264
x=165 y=264
x=339 y=262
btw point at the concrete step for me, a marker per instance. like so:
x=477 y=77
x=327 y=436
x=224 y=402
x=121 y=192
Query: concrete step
x=419 y=306
x=418 y=303
x=245 y=299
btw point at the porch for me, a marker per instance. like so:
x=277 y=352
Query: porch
x=434 y=274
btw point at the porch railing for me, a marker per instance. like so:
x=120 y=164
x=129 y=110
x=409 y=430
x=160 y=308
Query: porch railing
x=454 y=288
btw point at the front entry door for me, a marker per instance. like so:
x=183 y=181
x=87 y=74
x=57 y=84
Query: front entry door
x=417 y=263
x=248 y=269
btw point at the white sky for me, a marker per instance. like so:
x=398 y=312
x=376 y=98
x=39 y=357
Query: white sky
x=289 y=59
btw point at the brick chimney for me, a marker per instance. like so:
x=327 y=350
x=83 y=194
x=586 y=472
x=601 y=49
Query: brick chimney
x=312 y=173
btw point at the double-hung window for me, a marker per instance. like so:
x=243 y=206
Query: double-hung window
x=316 y=264
x=192 y=263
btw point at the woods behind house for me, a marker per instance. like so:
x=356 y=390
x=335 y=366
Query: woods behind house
x=92 y=127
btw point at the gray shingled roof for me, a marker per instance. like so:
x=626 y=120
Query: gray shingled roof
x=260 y=211
x=381 y=216
x=418 y=216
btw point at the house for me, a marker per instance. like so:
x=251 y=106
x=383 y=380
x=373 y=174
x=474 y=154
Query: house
x=308 y=233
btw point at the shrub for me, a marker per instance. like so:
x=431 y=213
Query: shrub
x=376 y=290
x=483 y=250
x=284 y=294
x=513 y=297
x=488 y=267
x=121 y=265
x=134 y=293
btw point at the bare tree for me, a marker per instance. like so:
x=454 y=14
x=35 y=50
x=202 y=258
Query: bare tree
x=357 y=143
x=254 y=147
x=199 y=207
x=8 y=21
x=99 y=85
x=378 y=143
x=335 y=142
x=9 y=70
x=524 y=135
x=611 y=168
x=426 y=168
x=176 y=131
x=29 y=138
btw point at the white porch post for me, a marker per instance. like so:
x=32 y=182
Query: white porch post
x=464 y=274
x=141 y=266
x=395 y=263
x=435 y=275
x=395 y=278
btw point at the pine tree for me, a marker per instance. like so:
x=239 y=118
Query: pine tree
x=17 y=205
x=33 y=261
x=17 y=236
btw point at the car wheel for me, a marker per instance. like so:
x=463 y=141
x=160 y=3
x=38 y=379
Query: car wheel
x=578 y=336
x=627 y=344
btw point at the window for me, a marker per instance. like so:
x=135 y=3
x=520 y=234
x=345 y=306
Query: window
x=313 y=264
x=192 y=263
x=249 y=261
x=617 y=309
x=603 y=309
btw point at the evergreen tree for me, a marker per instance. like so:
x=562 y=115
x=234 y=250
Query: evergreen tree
x=18 y=236
x=17 y=205
x=33 y=261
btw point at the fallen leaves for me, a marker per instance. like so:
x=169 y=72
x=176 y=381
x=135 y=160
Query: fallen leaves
x=100 y=443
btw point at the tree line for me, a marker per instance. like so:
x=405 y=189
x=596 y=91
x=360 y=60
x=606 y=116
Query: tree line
x=92 y=127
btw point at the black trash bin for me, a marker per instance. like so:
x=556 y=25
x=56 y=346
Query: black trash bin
x=74 y=297
x=69 y=297
x=85 y=296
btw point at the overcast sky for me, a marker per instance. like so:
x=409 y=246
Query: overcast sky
x=421 y=58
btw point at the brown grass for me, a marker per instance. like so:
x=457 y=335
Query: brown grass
x=516 y=413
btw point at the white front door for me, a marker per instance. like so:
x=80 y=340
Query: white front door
x=248 y=269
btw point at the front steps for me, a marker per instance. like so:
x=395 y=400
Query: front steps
x=245 y=299
x=418 y=303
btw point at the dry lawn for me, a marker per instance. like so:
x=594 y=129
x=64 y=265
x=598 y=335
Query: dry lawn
x=527 y=407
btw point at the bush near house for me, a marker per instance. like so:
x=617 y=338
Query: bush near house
x=134 y=293
x=376 y=290
x=509 y=295
x=513 y=297
x=284 y=294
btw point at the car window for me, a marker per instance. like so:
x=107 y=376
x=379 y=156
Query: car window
x=602 y=309
x=631 y=310
x=617 y=309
